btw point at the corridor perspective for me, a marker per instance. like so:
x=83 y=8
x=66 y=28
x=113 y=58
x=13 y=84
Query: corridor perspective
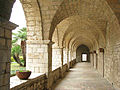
x=83 y=77
x=61 y=36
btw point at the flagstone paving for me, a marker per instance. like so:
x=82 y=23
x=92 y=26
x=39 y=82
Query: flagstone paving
x=83 y=77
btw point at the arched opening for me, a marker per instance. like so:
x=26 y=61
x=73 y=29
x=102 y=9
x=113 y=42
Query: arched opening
x=19 y=36
x=84 y=57
x=82 y=54
x=24 y=13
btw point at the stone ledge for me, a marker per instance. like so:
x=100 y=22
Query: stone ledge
x=15 y=82
x=37 y=42
x=7 y=24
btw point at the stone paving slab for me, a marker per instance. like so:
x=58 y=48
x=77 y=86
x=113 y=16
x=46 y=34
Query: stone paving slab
x=83 y=77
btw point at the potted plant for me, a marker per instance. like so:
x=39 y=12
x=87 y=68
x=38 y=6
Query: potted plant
x=23 y=74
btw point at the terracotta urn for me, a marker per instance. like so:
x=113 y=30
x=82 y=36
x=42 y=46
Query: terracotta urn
x=23 y=75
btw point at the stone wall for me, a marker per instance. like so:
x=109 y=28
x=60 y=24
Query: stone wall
x=39 y=56
x=60 y=72
x=56 y=75
x=72 y=63
x=100 y=62
x=56 y=58
x=82 y=50
x=65 y=68
x=38 y=83
x=5 y=52
x=112 y=51
x=64 y=56
x=112 y=65
x=41 y=82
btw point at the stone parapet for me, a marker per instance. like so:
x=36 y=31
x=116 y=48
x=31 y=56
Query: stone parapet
x=36 y=83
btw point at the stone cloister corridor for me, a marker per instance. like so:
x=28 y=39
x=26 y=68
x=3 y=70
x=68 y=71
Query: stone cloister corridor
x=83 y=77
x=58 y=33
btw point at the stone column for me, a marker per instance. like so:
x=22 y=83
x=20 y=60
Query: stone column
x=57 y=57
x=68 y=59
x=6 y=28
x=95 y=63
x=70 y=56
x=101 y=61
x=64 y=56
x=91 y=58
x=39 y=56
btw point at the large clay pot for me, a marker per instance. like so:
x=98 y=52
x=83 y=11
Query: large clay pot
x=23 y=75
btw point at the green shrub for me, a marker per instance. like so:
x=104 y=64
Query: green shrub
x=21 y=59
x=12 y=59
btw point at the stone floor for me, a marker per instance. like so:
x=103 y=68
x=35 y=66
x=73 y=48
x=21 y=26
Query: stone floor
x=83 y=77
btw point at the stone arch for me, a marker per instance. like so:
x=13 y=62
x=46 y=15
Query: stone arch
x=65 y=27
x=6 y=8
x=32 y=10
x=66 y=10
x=82 y=49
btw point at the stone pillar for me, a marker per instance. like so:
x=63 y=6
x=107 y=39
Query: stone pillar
x=64 y=56
x=57 y=58
x=101 y=61
x=70 y=56
x=39 y=56
x=6 y=28
x=95 y=62
x=91 y=58
x=68 y=59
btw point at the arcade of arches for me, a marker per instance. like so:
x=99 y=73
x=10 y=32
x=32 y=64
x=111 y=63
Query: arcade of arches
x=57 y=30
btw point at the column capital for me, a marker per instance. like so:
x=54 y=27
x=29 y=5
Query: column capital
x=94 y=51
x=46 y=42
x=101 y=49
x=91 y=52
x=7 y=24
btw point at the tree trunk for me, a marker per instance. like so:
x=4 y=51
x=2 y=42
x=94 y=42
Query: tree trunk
x=23 y=46
x=16 y=57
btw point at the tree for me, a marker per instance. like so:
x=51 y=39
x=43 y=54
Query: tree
x=22 y=37
x=16 y=50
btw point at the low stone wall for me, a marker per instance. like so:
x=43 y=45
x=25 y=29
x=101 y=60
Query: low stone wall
x=38 y=83
x=72 y=63
x=65 y=68
x=60 y=72
x=41 y=82
x=56 y=74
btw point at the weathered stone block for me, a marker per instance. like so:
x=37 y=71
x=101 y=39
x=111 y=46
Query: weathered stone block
x=1 y=32
x=2 y=42
x=8 y=34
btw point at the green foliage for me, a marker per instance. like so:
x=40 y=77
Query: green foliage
x=16 y=49
x=21 y=35
x=23 y=70
x=21 y=60
x=15 y=67
x=12 y=59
